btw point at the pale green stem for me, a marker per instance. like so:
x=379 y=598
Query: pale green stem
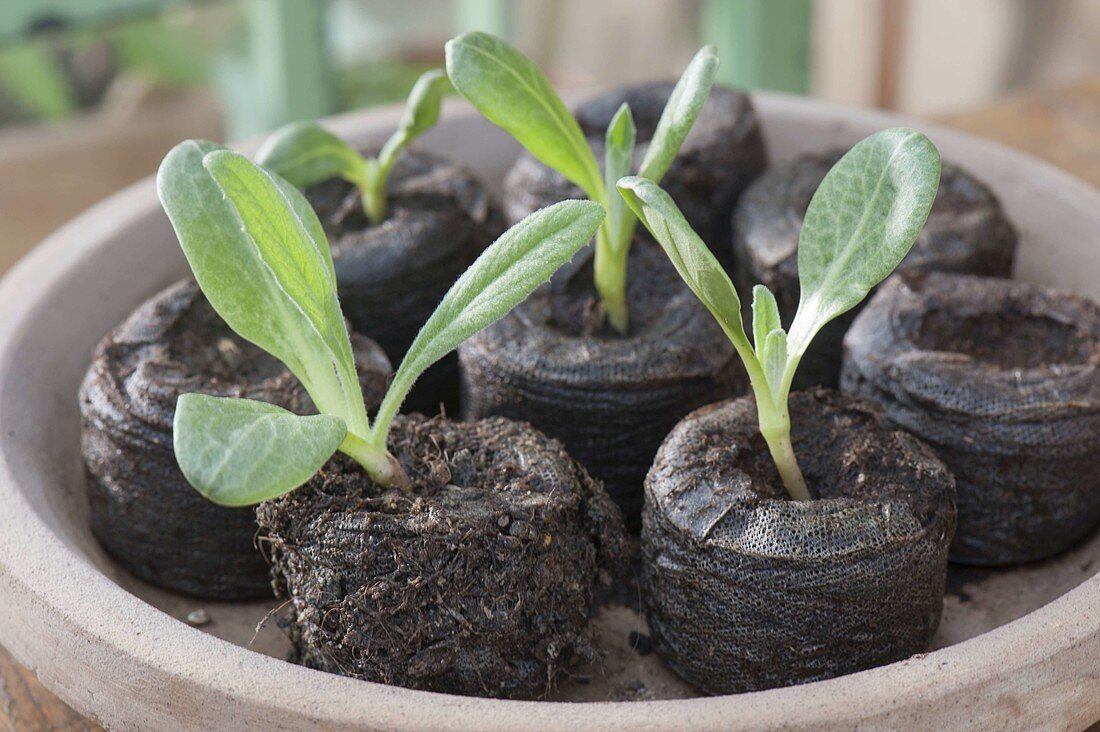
x=610 y=279
x=380 y=465
x=775 y=426
x=387 y=410
x=372 y=187
x=774 y=419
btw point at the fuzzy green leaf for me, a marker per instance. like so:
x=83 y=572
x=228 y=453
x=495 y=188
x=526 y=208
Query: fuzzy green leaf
x=421 y=114
x=260 y=256
x=691 y=257
x=239 y=452
x=860 y=224
x=773 y=359
x=765 y=316
x=305 y=154
x=503 y=276
x=618 y=157
x=682 y=109
x=510 y=91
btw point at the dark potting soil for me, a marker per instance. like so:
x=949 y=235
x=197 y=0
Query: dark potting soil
x=966 y=232
x=746 y=589
x=610 y=399
x=143 y=511
x=1002 y=379
x=392 y=276
x=720 y=156
x=480 y=582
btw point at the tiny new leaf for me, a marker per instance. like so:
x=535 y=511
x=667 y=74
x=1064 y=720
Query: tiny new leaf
x=238 y=452
x=618 y=157
x=420 y=115
x=765 y=316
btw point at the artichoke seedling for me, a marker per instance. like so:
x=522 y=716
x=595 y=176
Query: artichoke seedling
x=860 y=224
x=305 y=154
x=510 y=91
x=260 y=256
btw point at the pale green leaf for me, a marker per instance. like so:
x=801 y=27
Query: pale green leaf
x=503 y=276
x=510 y=91
x=421 y=113
x=860 y=224
x=773 y=359
x=239 y=452
x=305 y=154
x=691 y=257
x=682 y=109
x=260 y=257
x=618 y=156
x=765 y=316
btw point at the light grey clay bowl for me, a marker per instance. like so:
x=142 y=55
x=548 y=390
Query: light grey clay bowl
x=1018 y=649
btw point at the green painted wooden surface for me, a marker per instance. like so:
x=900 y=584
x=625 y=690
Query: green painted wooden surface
x=764 y=44
x=20 y=17
x=284 y=74
x=491 y=16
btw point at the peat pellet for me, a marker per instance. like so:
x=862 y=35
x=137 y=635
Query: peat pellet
x=746 y=589
x=966 y=232
x=1002 y=379
x=391 y=276
x=720 y=156
x=610 y=399
x=478 y=582
x=143 y=511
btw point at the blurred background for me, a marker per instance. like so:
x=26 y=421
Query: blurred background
x=94 y=92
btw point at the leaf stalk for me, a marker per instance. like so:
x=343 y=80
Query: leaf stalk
x=380 y=465
x=610 y=279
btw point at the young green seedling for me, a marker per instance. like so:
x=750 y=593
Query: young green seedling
x=510 y=91
x=305 y=154
x=860 y=224
x=261 y=258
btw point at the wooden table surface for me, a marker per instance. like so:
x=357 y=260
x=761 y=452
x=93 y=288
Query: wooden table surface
x=1058 y=124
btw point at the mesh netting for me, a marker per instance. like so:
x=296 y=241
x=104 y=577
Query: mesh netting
x=610 y=399
x=966 y=232
x=143 y=510
x=746 y=589
x=1002 y=379
x=392 y=276
x=481 y=582
x=723 y=152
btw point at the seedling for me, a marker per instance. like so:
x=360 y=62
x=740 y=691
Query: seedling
x=860 y=224
x=305 y=154
x=260 y=256
x=509 y=90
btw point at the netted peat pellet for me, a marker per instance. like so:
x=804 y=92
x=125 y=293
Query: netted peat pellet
x=746 y=589
x=611 y=399
x=1002 y=379
x=432 y=589
x=143 y=511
